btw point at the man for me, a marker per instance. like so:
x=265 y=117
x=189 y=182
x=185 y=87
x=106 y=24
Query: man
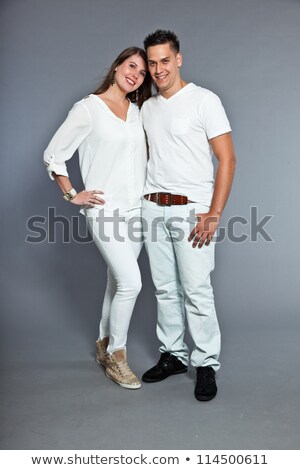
x=185 y=125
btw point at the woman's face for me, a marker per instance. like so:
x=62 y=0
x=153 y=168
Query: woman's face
x=131 y=73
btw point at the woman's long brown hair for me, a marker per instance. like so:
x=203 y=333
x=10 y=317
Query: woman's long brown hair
x=144 y=91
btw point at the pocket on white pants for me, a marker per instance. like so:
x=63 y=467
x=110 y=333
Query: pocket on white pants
x=196 y=208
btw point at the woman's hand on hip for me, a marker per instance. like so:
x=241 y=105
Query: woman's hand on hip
x=88 y=198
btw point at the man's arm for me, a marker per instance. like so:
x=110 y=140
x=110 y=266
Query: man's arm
x=222 y=147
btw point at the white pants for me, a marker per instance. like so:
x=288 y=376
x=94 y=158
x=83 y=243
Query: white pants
x=181 y=275
x=120 y=247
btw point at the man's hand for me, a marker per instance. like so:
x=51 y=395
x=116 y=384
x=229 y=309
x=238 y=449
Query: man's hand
x=205 y=229
x=222 y=147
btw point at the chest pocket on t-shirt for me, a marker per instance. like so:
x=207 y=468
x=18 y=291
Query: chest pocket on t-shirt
x=180 y=125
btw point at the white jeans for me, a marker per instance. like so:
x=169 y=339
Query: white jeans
x=181 y=275
x=120 y=248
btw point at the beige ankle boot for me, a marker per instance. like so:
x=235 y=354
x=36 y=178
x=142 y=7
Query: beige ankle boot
x=101 y=354
x=118 y=370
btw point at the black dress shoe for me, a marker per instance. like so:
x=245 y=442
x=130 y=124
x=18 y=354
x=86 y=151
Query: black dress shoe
x=167 y=365
x=206 y=388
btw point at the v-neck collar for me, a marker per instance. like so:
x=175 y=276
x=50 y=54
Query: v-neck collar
x=179 y=92
x=102 y=102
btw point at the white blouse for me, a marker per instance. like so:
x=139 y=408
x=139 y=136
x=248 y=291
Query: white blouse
x=112 y=152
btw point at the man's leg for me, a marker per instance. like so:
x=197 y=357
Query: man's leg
x=195 y=266
x=170 y=307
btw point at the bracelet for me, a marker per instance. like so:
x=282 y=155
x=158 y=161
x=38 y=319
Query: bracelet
x=69 y=195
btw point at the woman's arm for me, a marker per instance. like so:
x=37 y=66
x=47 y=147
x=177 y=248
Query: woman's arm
x=76 y=127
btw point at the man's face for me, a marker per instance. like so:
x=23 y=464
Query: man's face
x=164 y=66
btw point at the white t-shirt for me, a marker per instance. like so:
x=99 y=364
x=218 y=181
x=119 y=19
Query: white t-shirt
x=178 y=131
x=112 y=152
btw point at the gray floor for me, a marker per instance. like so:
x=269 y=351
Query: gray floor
x=69 y=404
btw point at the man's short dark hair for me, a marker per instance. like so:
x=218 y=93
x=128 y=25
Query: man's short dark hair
x=161 y=36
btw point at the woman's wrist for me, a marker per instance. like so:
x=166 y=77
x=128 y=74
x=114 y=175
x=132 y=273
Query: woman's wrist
x=70 y=194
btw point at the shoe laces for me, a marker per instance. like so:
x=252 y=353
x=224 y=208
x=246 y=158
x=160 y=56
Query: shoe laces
x=164 y=360
x=124 y=369
x=205 y=374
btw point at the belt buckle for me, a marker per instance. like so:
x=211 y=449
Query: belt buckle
x=168 y=195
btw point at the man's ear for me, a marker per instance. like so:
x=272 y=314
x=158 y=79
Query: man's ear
x=179 y=59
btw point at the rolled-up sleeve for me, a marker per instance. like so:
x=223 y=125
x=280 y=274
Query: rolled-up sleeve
x=67 y=139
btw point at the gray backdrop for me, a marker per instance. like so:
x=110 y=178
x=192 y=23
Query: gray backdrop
x=53 y=52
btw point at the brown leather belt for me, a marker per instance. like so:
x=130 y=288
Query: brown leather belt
x=167 y=199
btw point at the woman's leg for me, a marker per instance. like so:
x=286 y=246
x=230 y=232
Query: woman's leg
x=111 y=289
x=120 y=251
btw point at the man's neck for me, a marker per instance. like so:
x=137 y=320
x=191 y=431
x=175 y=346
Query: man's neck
x=174 y=89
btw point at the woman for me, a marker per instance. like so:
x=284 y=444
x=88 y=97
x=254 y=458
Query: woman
x=106 y=129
